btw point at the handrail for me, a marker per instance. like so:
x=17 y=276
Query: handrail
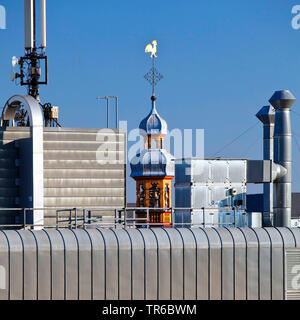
x=123 y=216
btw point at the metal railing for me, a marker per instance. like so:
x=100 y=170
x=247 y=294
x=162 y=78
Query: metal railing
x=129 y=217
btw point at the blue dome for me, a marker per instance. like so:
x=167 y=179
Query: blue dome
x=153 y=124
x=152 y=162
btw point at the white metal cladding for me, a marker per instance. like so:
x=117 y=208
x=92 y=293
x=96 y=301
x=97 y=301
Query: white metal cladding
x=207 y=184
x=177 y=264
x=33 y=152
x=211 y=170
x=292 y=274
x=84 y=168
x=72 y=173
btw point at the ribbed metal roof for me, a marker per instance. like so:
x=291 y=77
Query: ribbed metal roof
x=150 y=264
x=152 y=162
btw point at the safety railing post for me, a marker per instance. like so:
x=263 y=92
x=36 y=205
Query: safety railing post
x=234 y=217
x=70 y=219
x=75 y=210
x=84 y=218
x=125 y=218
x=89 y=217
x=120 y=217
x=24 y=218
x=148 y=218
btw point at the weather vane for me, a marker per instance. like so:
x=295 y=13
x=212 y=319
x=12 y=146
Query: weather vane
x=153 y=76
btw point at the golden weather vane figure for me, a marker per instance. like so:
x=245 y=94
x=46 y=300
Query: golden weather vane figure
x=152 y=48
x=153 y=76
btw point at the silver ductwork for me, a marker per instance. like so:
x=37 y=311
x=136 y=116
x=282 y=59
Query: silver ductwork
x=267 y=116
x=282 y=101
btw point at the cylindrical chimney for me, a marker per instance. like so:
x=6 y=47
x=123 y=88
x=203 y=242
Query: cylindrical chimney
x=267 y=116
x=282 y=101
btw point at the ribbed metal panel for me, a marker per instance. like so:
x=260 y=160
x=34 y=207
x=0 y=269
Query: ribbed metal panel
x=150 y=264
x=73 y=174
x=292 y=274
x=206 y=184
x=227 y=256
x=78 y=202
x=276 y=262
x=264 y=257
x=82 y=183
x=252 y=264
x=67 y=174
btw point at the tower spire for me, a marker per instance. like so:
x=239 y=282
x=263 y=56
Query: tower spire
x=153 y=167
x=153 y=76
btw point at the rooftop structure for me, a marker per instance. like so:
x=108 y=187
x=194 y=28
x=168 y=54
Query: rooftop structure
x=153 y=167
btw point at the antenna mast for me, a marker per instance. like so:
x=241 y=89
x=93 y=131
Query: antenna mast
x=34 y=59
x=30 y=64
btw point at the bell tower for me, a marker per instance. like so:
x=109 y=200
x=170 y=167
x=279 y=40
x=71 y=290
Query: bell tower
x=153 y=168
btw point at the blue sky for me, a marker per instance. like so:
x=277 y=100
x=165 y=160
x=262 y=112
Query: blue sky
x=221 y=61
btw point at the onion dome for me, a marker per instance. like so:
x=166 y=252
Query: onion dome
x=153 y=124
x=152 y=163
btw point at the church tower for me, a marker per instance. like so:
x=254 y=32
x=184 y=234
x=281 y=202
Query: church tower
x=153 y=168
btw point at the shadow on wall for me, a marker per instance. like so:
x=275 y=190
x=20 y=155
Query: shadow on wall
x=15 y=178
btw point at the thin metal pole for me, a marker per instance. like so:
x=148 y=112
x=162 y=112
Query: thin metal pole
x=84 y=218
x=117 y=113
x=107 y=110
x=89 y=217
x=56 y=219
x=24 y=218
x=203 y=220
x=70 y=220
x=120 y=217
x=75 y=218
x=125 y=218
x=147 y=218
x=234 y=217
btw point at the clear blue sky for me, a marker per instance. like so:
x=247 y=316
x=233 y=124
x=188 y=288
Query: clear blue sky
x=222 y=61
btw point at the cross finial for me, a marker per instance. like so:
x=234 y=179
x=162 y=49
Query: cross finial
x=153 y=76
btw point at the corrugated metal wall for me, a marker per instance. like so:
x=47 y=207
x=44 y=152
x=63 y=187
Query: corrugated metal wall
x=77 y=171
x=139 y=264
x=75 y=176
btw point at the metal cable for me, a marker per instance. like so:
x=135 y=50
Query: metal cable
x=298 y=147
x=235 y=139
x=250 y=146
